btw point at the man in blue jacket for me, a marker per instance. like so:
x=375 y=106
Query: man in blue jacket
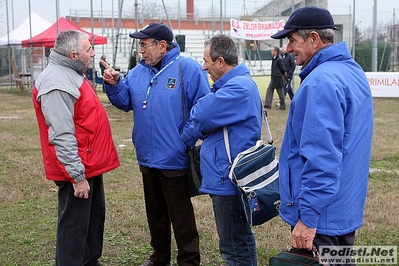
x=235 y=103
x=153 y=91
x=325 y=154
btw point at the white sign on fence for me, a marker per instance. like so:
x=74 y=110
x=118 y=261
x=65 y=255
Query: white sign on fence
x=254 y=30
x=383 y=84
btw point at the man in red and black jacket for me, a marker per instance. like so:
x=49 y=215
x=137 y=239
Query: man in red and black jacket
x=77 y=148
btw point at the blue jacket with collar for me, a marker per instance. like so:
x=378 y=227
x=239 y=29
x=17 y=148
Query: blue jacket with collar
x=235 y=103
x=325 y=155
x=157 y=128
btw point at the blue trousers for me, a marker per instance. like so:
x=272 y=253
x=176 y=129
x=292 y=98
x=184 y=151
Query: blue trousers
x=236 y=240
x=80 y=228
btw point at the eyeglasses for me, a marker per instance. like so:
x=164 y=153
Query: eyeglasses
x=144 y=46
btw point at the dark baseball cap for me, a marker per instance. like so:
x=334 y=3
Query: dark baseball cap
x=308 y=17
x=156 y=30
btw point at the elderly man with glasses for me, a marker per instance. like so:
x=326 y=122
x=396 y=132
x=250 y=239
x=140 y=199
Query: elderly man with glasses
x=153 y=91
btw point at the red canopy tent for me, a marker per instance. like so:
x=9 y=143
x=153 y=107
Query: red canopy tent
x=48 y=37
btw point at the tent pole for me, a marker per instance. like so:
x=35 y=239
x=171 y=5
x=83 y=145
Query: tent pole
x=93 y=71
x=8 y=47
x=136 y=9
x=31 y=47
x=113 y=35
x=167 y=17
x=57 y=13
x=102 y=25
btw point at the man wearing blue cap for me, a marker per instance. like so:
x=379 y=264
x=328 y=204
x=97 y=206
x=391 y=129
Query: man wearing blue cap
x=153 y=91
x=325 y=155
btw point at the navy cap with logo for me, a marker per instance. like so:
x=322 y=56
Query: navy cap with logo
x=156 y=30
x=308 y=17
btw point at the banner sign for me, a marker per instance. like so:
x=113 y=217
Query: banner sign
x=254 y=30
x=383 y=84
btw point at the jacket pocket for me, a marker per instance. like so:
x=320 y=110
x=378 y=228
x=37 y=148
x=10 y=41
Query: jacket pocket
x=222 y=168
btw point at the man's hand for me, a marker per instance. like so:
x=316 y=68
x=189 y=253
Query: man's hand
x=110 y=76
x=82 y=189
x=302 y=236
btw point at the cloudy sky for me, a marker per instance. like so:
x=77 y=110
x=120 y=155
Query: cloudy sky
x=18 y=10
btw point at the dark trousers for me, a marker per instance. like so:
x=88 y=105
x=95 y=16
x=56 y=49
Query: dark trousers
x=80 y=224
x=167 y=202
x=269 y=96
x=288 y=89
x=325 y=240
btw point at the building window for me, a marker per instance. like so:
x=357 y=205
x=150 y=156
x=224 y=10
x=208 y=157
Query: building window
x=339 y=34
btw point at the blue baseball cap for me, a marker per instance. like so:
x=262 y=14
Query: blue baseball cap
x=156 y=30
x=308 y=17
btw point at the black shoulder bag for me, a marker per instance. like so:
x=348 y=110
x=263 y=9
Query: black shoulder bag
x=194 y=173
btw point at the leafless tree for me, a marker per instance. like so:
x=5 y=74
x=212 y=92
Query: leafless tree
x=367 y=34
x=149 y=10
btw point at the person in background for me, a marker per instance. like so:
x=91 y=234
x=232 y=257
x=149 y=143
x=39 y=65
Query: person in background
x=289 y=64
x=277 y=80
x=132 y=61
x=235 y=103
x=103 y=58
x=153 y=91
x=102 y=68
x=77 y=148
x=325 y=155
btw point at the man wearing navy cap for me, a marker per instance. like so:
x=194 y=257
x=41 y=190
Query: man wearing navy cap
x=325 y=155
x=153 y=91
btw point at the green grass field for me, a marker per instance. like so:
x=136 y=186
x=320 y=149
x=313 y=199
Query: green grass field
x=28 y=202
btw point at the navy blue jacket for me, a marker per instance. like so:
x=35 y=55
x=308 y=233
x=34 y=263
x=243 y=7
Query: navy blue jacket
x=289 y=64
x=277 y=72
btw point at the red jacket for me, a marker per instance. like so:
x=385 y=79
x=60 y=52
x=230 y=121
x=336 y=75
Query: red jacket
x=92 y=132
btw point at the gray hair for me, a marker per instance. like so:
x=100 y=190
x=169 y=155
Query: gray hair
x=69 y=41
x=326 y=35
x=169 y=46
x=223 y=46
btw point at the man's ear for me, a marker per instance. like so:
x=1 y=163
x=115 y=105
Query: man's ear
x=163 y=45
x=314 y=38
x=221 y=61
x=73 y=55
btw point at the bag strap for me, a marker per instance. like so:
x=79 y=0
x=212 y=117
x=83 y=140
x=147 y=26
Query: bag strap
x=267 y=129
x=191 y=151
x=227 y=143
